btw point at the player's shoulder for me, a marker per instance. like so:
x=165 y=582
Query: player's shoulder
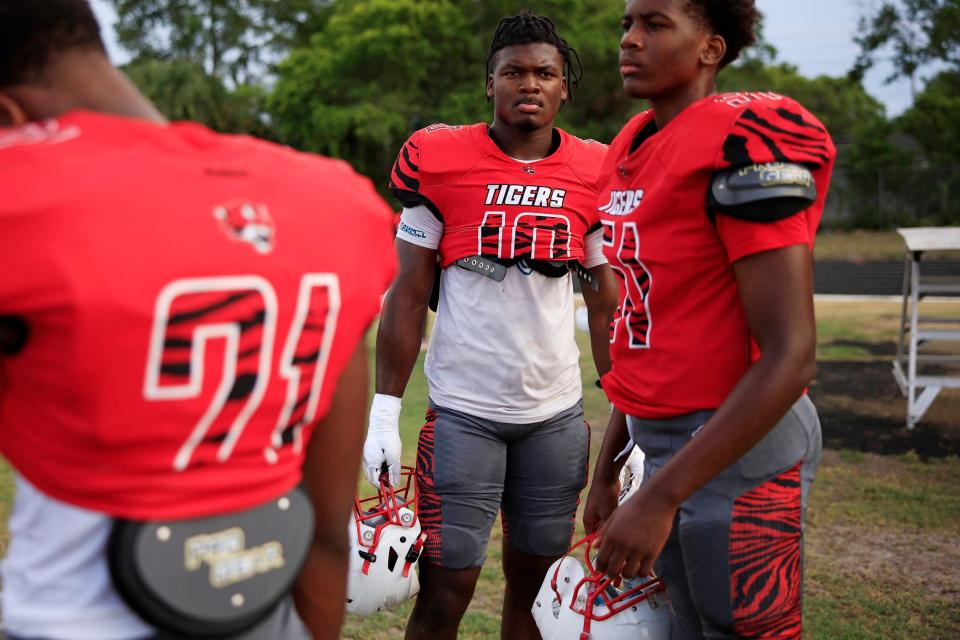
x=585 y=149
x=330 y=182
x=759 y=127
x=292 y=167
x=445 y=142
x=37 y=155
x=584 y=158
x=772 y=110
x=275 y=157
x=32 y=141
x=437 y=155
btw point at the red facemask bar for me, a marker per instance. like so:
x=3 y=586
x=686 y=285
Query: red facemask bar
x=603 y=590
x=384 y=509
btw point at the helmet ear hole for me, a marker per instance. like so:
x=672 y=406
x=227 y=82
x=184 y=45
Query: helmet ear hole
x=392 y=559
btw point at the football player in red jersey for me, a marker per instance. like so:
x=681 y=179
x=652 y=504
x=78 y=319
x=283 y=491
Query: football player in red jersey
x=509 y=210
x=182 y=361
x=709 y=205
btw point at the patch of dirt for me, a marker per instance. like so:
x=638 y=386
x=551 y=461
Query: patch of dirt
x=926 y=561
x=861 y=409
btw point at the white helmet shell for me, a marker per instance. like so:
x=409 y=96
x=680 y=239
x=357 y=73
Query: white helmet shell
x=563 y=609
x=385 y=544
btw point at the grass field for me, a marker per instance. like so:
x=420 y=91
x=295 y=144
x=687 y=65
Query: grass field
x=883 y=543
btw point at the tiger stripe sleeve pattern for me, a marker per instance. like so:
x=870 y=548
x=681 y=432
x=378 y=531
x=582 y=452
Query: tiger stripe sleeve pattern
x=765 y=133
x=405 y=178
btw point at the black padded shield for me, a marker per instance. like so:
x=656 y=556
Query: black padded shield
x=216 y=576
x=762 y=192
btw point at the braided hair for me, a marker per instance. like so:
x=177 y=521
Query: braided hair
x=527 y=28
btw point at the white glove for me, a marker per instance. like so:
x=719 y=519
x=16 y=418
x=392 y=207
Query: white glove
x=383 y=446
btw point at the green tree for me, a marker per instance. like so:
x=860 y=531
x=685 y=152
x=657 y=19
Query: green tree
x=916 y=33
x=934 y=123
x=934 y=119
x=234 y=40
x=379 y=69
x=842 y=104
x=182 y=90
x=376 y=71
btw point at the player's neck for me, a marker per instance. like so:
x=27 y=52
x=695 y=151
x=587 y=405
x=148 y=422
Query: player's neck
x=669 y=106
x=522 y=145
x=85 y=80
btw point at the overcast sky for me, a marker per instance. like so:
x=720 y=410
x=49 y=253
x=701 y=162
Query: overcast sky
x=814 y=35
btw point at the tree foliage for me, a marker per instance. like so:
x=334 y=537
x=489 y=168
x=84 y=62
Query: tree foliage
x=182 y=90
x=915 y=32
x=234 y=40
x=353 y=78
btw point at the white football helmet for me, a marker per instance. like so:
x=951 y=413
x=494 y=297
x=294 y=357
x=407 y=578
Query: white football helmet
x=577 y=603
x=385 y=544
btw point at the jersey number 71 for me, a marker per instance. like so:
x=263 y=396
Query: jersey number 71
x=240 y=311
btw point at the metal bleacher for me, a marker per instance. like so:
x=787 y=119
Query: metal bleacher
x=917 y=331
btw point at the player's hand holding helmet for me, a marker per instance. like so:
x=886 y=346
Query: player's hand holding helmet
x=385 y=544
x=577 y=602
x=603 y=499
x=383 y=446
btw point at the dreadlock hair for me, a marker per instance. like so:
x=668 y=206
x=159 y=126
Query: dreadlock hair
x=734 y=20
x=32 y=32
x=527 y=28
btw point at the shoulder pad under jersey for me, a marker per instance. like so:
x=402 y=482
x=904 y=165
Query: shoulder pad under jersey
x=432 y=155
x=762 y=192
x=772 y=128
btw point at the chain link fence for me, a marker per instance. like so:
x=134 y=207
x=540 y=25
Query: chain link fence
x=914 y=195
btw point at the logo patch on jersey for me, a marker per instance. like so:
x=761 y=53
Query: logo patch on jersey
x=623 y=203
x=737 y=100
x=442 y=127
x=247 y=222
x=410 y=231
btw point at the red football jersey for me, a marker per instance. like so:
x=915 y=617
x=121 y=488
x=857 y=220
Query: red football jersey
x=192 y=299
x=679 y=340
x=494 y=205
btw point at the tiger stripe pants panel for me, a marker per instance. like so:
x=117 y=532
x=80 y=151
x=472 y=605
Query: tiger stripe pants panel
x=733 y=563
x=470 y=468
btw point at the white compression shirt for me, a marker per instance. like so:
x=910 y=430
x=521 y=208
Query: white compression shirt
x=503 y=351
x=56 y=583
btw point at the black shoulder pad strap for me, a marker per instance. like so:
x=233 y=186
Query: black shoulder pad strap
x=762 y=192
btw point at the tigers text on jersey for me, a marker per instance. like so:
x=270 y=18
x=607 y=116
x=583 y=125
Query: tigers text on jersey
x=192 y=299
x=494 y=205
x=679 y=340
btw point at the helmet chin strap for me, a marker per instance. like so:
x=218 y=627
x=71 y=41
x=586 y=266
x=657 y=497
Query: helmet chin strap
x=414 y=554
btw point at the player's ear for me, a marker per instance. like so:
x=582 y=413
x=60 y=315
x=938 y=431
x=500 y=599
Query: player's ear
x=489 y=87
x=11 y=113
x=564 y=90
x=714 y=48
